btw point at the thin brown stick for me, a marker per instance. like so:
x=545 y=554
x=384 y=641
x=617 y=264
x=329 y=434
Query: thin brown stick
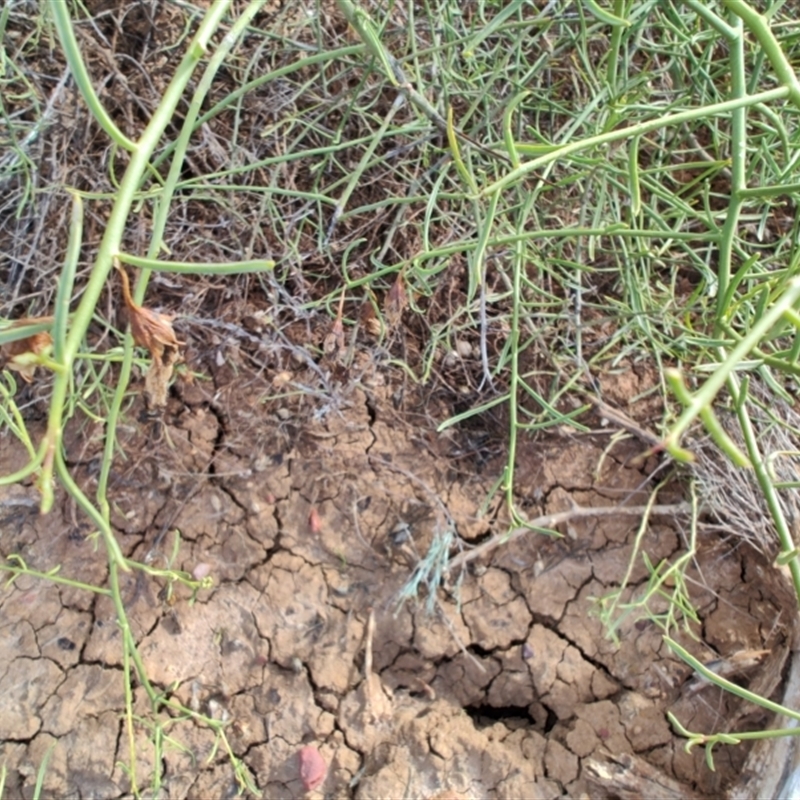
x=126 y=286
x=551 y=520
x=624 y=421
x=368 y=637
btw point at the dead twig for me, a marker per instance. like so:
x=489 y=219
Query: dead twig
x=630 y=777
x=551 y=520
x=624 y=421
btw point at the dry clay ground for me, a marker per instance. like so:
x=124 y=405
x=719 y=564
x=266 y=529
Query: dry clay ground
x=309 y=522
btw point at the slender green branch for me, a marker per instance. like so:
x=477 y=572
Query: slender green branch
x=640 y=128
x=103 y=526
x=115 y=228
x=738 y=165
x=268 y=77
x=67 y=279
x=704 y=396
x=729 y=686
x=714 y=20
x=191 y=268
x=52 y=576
x=162 y=210
x=615 y=50
x=368 y=33
x=18 y=332
x=63 y=23
x=760 y=28
x=761 y=469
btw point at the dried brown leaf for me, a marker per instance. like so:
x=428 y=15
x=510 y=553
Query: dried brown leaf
x=24 y=355
x=369 y=320
x=157 y=378
x=148 y=328
x=333 y=344
x=396 y=301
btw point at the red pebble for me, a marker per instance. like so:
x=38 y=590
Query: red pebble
x=313 y=768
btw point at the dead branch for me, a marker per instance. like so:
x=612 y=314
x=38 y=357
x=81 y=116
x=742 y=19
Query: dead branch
x=551 y=520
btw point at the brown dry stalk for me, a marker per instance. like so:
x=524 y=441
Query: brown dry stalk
x=23 y=321
x=624 y=421
x=551 y=520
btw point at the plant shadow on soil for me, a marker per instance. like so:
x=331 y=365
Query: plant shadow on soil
x=504 y=686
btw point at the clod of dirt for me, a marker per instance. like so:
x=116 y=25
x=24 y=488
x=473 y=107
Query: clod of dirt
x=313 y=768
x=435 y=748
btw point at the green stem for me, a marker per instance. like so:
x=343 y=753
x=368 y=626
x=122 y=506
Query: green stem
x=66 y=33
x=115 y=229
x=129 y=643
x=67 y=279
x=109 y=539
x=614 y=50
x=738 y=164
x=701 y=8
x=712 y=110
x=760 y=28
x=245 y=88
x=126 y=672
x=761 y=471
x=193 y=268
x=52 y=577
x=519 y=265
x=150 y=262
x=708 y=391
x=724 y=683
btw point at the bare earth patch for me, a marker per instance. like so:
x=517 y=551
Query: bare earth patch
x=502 y=685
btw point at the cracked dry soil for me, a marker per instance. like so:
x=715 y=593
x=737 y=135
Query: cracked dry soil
x=308 y=528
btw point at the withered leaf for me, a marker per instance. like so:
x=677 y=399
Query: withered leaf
x=333 y=344
x=369 y=320
x=157 y=378
x=396 y=301
x=148 y=328
x=154 y=332
x=24 y=355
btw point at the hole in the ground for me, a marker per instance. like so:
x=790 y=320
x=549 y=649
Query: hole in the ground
x=551 y=720
x=512 y=716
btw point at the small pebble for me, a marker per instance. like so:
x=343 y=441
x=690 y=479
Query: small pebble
x=527 y=651
x=463 y=348
x=451 y=359
x=572 y=532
